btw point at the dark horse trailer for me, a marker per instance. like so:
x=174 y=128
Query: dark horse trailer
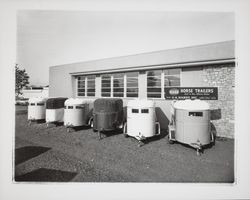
x=107 y=115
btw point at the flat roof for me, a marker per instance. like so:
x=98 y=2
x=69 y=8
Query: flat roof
x=209 y=53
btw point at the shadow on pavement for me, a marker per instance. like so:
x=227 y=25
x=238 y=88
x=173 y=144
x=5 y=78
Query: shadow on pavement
x=155 y=138
x=79 y=128
x=47 y=175
x=25 y=153
x=55 y=124
x=204 y=147
x=106 y=134
x=38 y=121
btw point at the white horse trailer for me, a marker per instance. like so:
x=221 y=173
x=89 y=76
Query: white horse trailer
x=55 y=110
x=36 y=109
x=191 y=124
x=77 y=112
x=141 y=120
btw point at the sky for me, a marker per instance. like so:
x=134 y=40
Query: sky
x=49 y=38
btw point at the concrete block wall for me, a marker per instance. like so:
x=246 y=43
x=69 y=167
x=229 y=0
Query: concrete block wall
x=222 y=114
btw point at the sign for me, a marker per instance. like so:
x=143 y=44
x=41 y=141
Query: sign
x=182 y=93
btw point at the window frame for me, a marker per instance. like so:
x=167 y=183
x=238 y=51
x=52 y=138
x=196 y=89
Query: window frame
x=110 y=75
x=162 y=75
x=85 y=80
x=87 y=85
x=125 y=87
x=180 y=70
x=113 y=87
x=137 y=78
x=161 y=70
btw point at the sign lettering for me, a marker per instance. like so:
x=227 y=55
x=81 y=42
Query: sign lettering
x=181 y=93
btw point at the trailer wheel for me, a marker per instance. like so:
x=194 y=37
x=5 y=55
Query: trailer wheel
x=125 y=128
x=91 y=123
x=212 y=138
x=121 y=126
x=170 y=141
x=125 y=135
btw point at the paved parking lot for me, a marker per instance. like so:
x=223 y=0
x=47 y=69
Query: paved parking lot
x=53 y=154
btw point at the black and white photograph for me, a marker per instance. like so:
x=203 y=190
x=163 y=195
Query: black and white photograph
x=125 y=97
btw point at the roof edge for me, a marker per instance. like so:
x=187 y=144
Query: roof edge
x=152 y=67
x=145 y=53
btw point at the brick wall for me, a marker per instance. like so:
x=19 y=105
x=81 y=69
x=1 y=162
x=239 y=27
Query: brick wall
x=222 y=114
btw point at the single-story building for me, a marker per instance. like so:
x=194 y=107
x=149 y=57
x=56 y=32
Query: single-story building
x=147 y=75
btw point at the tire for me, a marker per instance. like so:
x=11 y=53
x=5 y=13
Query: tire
x=125 y=128
x=91 y=123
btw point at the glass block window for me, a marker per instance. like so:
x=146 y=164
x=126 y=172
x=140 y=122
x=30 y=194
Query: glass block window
x=132 y=84
x=106 y=85
x=154 y=86
x=118 y=85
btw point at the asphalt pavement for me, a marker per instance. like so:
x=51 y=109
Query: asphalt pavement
x=54 y=155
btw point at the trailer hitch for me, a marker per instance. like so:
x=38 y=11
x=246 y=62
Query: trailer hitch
x=198 y=147
x=140 y=138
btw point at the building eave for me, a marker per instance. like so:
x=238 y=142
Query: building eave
x=154 y=67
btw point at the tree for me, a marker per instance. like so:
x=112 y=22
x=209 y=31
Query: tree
x=22 y=80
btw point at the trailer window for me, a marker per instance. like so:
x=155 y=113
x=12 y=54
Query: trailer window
x=79 y=107
x=40 y=104
x=32 y=104
x=144 y=110
x=135 y=110
x=195 y=114
x=70 y=107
